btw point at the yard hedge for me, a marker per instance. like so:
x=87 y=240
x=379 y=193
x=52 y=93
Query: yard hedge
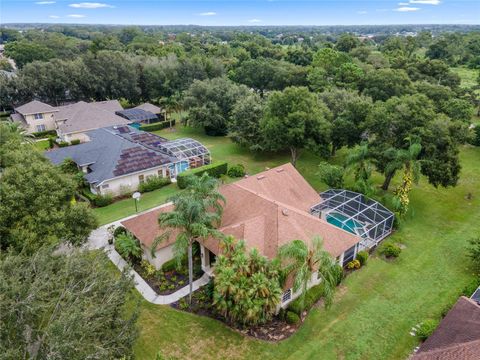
x=44 y=134
x=311 y=297
x=215 y=169
x=153 y=183
x=157 y=126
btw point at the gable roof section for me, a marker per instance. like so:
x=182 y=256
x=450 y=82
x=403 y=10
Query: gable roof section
x=264 y=223
x=457 y=336
x=34 y=107
x=83 y=116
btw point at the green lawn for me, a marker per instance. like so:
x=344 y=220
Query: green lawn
x=41 y=145
x=374 y=309
x=468 y=76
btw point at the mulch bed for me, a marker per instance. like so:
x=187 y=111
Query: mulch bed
x=170 y=282
x=274 y=330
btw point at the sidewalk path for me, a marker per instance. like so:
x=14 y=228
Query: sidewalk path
x=98 y=239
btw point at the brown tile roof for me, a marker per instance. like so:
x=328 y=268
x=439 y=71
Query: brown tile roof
x=267 y=211
x=83 y=116
x=34 y=107
x=457 y=336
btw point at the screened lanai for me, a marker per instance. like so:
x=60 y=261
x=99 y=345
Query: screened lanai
x=355 y=213
x=187 y=149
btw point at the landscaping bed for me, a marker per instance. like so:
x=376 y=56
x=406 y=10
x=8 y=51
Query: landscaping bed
x=167 y=282
x=274 y=330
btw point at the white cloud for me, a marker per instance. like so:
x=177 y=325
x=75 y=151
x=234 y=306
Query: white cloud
x=403 y=4
x=407 y=9
x=53 y=16
x=45 y=2
x=362 y=12
x=426 y=2
x=254 y=20
x=77 y=16
x=208 y=13
x=90 y=5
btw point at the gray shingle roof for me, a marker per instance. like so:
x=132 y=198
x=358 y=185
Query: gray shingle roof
x=83 y=116
x=149 y=107
x=34 y=107
x=111 y=153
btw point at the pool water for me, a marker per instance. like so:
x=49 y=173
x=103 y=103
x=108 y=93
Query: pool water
x=350 y=226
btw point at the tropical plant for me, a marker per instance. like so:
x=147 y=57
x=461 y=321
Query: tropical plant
x=303 y=261
x=246 y=286
x=196 y=214
x=332 y=175
x=359 y=162
x=128 y=247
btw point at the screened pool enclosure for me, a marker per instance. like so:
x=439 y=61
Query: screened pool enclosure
x=355 y=213
x=187 y=149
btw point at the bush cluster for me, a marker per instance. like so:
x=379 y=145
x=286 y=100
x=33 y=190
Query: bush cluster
x=338 y=273
x=44 y=134
x=353 y=265
x=292 y=318
x=157 y=126
x=119 y=230
x=153 y=183
x=75 y=142
x=63 y=144
x=236 y=171
x=362 y=257
x=389 y=250
x=102 y=200
x=311 y=297
x=215 y=169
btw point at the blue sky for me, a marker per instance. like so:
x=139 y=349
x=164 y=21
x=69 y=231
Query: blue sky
x=229 y=12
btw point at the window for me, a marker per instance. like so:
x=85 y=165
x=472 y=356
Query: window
x=38 y=116
x=41 y=128
x=141 y=179
x=106 y=186
x=349 y=255
x=287 y=295
x=160 y=173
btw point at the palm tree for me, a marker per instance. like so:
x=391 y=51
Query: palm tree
x=197 y=212
x=303 y=261
x=171 y=104
x=359 y=161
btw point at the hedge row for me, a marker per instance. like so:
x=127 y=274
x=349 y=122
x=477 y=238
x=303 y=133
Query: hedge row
x=97 y=200
x=44 y=134
x=215 y=169
x=157 y=126
x=153 y=183
x=311 y=297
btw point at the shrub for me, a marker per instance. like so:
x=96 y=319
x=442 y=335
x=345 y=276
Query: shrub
x=292 y=318
x=51 y=142
x=338 y=273
x=476 y=136
x=169 y=265
x=354 y=264
x=128 y=247
x=474 y=252
x=157 y=126
x=470 y=288
x=119 y=230
x=43 y=134
x=75 y=142
x=236 y=171
x=148 y=269
x=63 y=144
x=389 y=250
x=215 y=169
x=362 y=257
x=153 y=183
x=102 y=200
x=311 y=297
x=331 y=175
x=426 y=328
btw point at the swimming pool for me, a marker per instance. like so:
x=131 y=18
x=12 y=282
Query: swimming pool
x=350 y=225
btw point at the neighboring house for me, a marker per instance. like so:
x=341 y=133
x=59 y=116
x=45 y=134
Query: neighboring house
x=75 y=120
x=457 y=337
x=267 y=210
x=118 y=158
x=151 y=108
x=145 y=113
x=71 y=122
x=35 y=116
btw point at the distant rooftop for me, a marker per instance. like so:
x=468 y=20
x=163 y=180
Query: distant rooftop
x=34 y=107
x=137 y=115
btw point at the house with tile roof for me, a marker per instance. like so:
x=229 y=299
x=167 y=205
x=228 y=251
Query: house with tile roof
x=117 y=159
x=457 y=337
x=73 y=121
x=267 y=210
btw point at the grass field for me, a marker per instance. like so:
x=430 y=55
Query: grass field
x=41 y=145
x=468 y=76
x=374 y=309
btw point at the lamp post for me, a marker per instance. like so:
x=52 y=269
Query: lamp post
x=136 y=197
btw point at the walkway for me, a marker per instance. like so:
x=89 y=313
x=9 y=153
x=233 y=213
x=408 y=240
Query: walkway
x=98 y=239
